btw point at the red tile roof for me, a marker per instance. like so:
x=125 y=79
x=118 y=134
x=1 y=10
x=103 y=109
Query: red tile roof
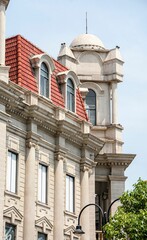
x=18 y=54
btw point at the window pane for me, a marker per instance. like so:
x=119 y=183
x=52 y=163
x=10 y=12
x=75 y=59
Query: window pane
x=44 y=80
x=42 y=236
x=91 y=106
x=10 y=232
x=42 y=184
x=12 y=172
x=71 y=187
x=70 y=95
x=69 y=193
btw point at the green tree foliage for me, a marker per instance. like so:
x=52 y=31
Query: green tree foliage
x=130 y=220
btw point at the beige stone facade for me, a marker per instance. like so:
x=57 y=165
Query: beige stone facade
x=44 y=147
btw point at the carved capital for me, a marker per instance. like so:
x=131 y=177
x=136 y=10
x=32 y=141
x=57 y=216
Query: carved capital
x=85 y=167
x=59 y=156
x=30 y=144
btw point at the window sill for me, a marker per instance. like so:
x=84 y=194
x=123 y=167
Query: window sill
x=72 y=214
x=12 y=194
x=45 y=205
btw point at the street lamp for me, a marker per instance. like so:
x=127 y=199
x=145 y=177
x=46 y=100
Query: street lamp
x=105 y=216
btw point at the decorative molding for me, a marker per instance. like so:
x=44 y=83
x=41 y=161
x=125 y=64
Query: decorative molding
x=42 y=209
x=32 y=139
x=114 y=159
x=117 y=178
x=13 y=143
x=69 y=229
x=36 y=61
x=64 y=76
x=70 y=169
x=85 y=167
x=44 y=157
x=11 y=199
x=69 y=232
x=60 y=155
x=13 y=214
x=44 y=223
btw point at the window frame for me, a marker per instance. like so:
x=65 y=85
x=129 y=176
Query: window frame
x=46 y=236
x=42 y=191
x=70 y=206
x=12 y=177
x=45 y=80
x=36 y=61
x=91 y=108
x=15 y=229
x=71 y=95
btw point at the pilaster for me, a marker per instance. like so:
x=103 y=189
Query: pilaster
x=59 y=195
x=29 y=208
x=85 y=221
x=114 y=103
x=4 y=118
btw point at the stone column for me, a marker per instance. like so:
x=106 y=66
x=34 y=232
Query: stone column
x=3 y=69
x=29 y=208
x=114 y=103
x=117 y=187
x=3 y=157
x=85 y=221
x=59 y=197
x=92 y=200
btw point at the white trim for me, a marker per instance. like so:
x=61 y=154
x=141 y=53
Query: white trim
x=70 y=199
x=42 y=183
x=12 y=172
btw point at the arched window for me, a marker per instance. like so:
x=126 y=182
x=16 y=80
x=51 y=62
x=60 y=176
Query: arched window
x=91 y=106
x=70 y=95
x=44 y=80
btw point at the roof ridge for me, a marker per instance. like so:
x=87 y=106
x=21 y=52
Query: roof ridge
x=24 y=38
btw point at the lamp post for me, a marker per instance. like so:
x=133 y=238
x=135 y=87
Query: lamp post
x=105 y=216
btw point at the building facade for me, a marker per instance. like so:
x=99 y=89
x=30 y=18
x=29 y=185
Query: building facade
x=60 y=141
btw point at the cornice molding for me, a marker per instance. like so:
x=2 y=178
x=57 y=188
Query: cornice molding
x=117 y=178
x=115 y=159
x=44 y=115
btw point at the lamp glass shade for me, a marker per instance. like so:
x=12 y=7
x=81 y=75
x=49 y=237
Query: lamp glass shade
x=78 y=231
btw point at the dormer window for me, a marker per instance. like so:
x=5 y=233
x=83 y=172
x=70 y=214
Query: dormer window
x=69 y=83
x=44 y=66
x=44 y=80
x=91 y=106
x=70 y=95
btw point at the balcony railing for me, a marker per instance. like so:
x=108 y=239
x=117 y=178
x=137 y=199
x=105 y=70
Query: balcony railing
x=99 y=235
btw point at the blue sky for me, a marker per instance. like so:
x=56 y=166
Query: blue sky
x=48 y=23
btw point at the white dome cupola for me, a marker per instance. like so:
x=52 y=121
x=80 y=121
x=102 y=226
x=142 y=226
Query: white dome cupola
x=87 y=41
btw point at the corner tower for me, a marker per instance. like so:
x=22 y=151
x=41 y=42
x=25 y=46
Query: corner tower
x=99 y=71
